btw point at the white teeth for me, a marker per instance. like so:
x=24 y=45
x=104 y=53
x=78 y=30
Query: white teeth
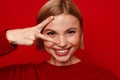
x=62 y=51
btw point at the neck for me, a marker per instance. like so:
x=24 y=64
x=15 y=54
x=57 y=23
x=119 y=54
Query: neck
x=71 y=61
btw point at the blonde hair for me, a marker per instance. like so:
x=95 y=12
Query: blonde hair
x=57 y=7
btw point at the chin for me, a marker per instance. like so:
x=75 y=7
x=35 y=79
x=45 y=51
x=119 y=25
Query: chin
x=63 y=60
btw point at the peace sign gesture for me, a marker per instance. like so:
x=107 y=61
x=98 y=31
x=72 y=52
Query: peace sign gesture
x=27 y=36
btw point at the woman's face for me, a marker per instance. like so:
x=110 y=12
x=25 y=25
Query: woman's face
x=66 y=30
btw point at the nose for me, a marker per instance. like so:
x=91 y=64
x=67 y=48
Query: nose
x=62 y=41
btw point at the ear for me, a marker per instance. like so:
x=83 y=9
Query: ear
x=81 y=41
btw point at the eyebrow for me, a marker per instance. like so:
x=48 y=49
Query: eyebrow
x=49 y=30
x=72 y=28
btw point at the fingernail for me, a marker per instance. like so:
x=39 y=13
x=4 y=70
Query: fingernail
x=51 y=17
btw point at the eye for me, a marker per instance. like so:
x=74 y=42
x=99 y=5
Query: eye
x=51 y=33
x=71 y=31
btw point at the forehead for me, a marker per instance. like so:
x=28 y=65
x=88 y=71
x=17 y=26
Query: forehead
x=63 y=22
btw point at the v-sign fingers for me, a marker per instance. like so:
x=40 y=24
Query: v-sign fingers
x=47 y=38
x=41 y=25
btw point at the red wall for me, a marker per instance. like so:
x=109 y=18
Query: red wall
x=101 y=31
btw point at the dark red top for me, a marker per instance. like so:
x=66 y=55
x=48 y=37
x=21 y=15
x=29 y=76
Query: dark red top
x=46 y=71
x=5 y=46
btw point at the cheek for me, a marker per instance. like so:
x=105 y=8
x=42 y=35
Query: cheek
x=47 y=44
x=75 y=40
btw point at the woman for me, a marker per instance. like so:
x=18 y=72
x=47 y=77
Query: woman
x=60 y=36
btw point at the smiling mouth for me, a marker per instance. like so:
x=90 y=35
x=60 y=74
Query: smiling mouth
x=62 y=52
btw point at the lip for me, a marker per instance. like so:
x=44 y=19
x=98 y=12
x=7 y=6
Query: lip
x=62 y=52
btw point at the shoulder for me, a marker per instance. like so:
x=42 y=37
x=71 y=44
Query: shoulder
x=16 y=67
x=99 y=72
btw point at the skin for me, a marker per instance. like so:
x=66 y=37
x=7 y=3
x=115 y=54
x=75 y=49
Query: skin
x=65 y=28
x=27 y=36
x=61 y=38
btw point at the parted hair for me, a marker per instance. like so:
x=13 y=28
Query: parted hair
x=54 y=8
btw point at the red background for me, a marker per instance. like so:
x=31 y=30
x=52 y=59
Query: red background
x=101 y=31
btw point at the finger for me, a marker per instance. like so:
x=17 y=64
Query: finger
x=30 y=38
x=45 y=22
x=29 y=42
x=46 y=38
x=26 y=42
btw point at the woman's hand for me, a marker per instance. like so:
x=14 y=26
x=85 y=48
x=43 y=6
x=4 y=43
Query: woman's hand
x=27 y=36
